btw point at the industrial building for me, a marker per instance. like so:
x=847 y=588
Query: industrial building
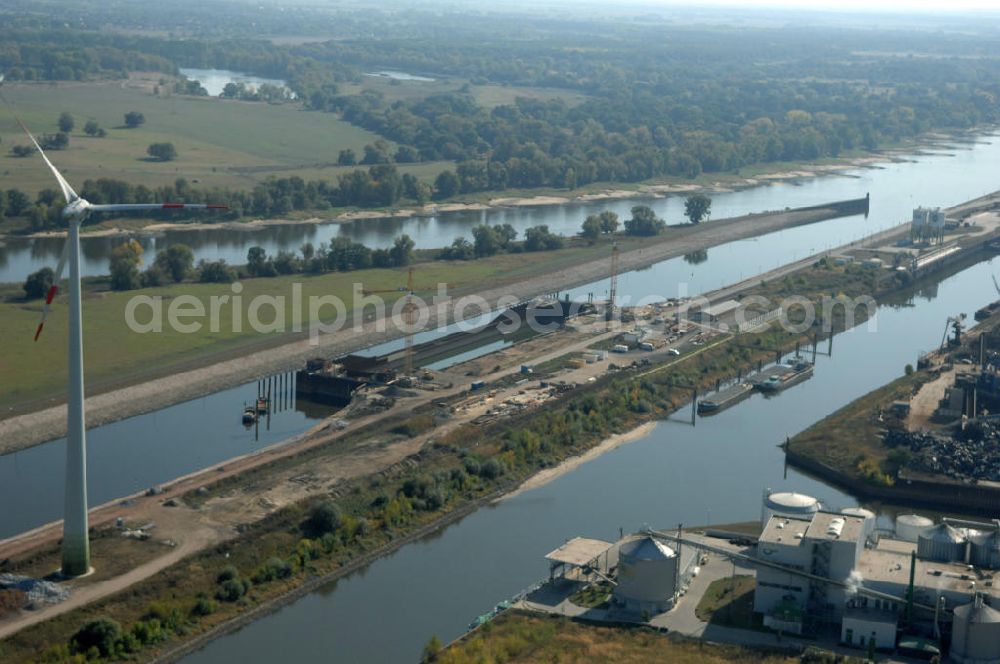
x=926 y=583
x=928 y=224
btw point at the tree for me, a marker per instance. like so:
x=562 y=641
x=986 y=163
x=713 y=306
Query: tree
x=133 y=119
x=91 y=128
x=56 y=141
x=66 y=123
x=102 y=634
x=324 y=517
x=176 y=261
x=347 y=157
x=591 y=228
x=215 y=272
x=17 y=202
x=459 y=250
x=485 y=240
x=697 y=207
x=402 y=251
x=38 y=283
x=644 y=222
x=431 y=650
x=609 y=222
x=162 y=151
x=21 y=150
x=539 y=238
x=124 y=268
x=256 y=259
x=446 y=184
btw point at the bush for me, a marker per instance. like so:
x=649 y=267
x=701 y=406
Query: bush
x=37 y=284
x=203 y=607
x=232 y=590
x=492 y=469
x=102 y=634
x=162 y=151
x=324 y=517
x=228 y=573
x=274 y=568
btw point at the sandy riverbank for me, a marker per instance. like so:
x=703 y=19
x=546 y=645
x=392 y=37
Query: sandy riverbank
x=807 y=171
x=543 y=477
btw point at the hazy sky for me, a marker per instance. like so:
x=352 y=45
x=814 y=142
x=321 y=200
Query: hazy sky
x=848 y=5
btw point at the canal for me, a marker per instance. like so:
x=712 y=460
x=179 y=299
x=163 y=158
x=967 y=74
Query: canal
x=954 y=176
x=715 y=472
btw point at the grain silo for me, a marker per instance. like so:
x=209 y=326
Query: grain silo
x=975 y=636
x=647 y=576
x=790 y=504
x=862 y=513
x=909 y=526
x=942 y=543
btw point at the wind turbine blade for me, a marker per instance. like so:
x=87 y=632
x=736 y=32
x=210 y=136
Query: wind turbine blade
x=53 y=289
x=67 y=190
x=126 y=207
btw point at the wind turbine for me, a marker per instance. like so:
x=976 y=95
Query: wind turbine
x=76 y=539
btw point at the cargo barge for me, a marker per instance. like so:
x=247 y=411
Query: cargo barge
x=785 y=375
x=725 y=398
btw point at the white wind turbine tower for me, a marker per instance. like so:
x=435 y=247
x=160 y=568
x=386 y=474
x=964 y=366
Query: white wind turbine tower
x=76 y=540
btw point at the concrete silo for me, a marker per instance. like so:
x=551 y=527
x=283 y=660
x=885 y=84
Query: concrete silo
x=789 y=504
x=909 y=526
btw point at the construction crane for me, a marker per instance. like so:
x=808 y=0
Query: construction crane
x=408 y=317
x=613 y=291
x=955 y=324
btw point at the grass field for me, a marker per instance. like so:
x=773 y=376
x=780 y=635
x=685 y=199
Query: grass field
x=729 y=602
x=113 y=352
x=522 y=637
x=220 y=143
x=488 y=96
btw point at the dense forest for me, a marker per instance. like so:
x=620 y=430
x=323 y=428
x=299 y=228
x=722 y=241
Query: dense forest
x=655 y=97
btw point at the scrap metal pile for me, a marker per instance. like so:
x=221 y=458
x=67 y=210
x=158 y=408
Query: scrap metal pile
x=972 y=454
x=38 y=592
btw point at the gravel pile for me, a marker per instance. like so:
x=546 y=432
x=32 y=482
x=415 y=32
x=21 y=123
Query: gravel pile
x=39 y=592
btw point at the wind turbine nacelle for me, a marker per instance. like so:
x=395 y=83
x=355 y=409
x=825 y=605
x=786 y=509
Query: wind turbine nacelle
x=76 y=210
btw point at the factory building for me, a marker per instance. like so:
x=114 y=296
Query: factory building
x=827 y=545
x=868 y=581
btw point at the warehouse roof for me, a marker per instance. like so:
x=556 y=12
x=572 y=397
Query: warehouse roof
x=720 y=308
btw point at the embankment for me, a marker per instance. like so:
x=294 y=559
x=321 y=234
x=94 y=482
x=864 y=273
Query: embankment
x=133 y=395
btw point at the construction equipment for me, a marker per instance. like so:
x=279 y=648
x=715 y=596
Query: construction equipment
x=613 y=291
x=955 y=324
x=409 y=309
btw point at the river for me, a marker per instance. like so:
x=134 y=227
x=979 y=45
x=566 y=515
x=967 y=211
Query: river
x=437 y=585
x=715 y=472
x=134 y=454
x=896 y=188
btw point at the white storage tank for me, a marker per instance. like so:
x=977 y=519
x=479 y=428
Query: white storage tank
x=862 y=513
x=790 y=503
x=647 y=576
x=909 y=526
x=984 y=550
x=942 y=543
x=975 y=636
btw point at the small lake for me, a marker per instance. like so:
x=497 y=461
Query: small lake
x=400 y=76
x=215 y=80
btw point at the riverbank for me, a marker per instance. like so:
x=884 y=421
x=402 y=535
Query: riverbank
x=543 y=477
x=169 y=374
x=758 y=175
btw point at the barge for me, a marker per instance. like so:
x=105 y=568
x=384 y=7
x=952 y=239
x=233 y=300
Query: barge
x=724 y=398
x=786 y=375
